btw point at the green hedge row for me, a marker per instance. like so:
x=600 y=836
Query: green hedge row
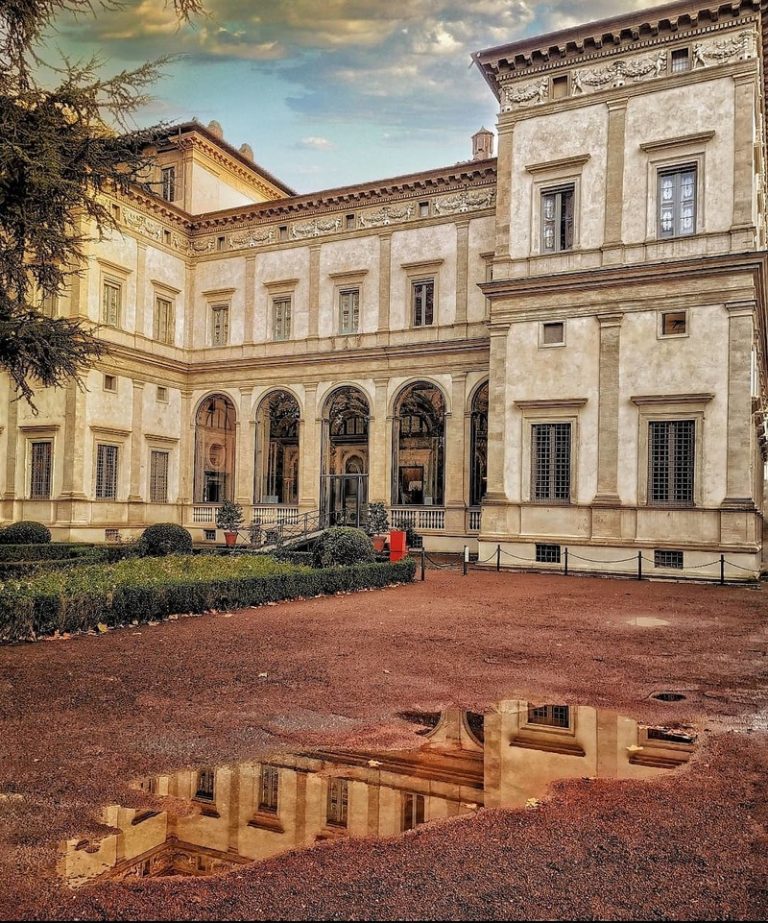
x=56 y=551
x=24 y=617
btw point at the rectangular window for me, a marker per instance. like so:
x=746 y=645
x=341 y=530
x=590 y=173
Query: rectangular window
x=338 y=802
x=349 y=222
x=671 y=457
x=168 y=175
x=162 y=394
x=281 y=319
x=158 y=477
x=681 y=61
x=677 y=201
x=163 y=326
x=423 y=209
x=555 y=716
x=551 y=462
x=557 y=219
x=668 y=559
x=423 y=302
x=111 y=303
x=209 y=535
x=206 y=785
x=219 y=324
x=48 y=306
x=106 y=472
x=674 y=323
x=560 y=87
x=553 y=334
x=349 y=310
x=40 y=481
x=547 y=554
x=413 y=811
x=110 y=383
x=268 y=789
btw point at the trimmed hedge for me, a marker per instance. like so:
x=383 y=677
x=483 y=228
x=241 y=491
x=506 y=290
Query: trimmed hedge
x=164 y=538
x=24 y=617
x=58 y=551
x=25 y=532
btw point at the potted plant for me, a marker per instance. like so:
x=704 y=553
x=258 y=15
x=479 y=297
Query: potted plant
x=377 y=525
x=229 y=518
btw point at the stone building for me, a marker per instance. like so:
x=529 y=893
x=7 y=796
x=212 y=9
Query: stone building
x=563 y=346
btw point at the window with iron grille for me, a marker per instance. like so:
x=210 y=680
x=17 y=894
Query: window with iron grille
x=281 y=319
x=349 y=310
x=557 y=219
x=413 y=811
x=205 y=785
x=209 y=535
x=168 y=175
x=551 y=462
x=163 y=326
x=162 y=394
x=40 y=482
x=158 y=476
x=338 y=802
x=677 y=201
x=106 y=472
x=555 y=716
x=268 y=789
x=664 y=558
x=111 y=298
x=671 y=448
x=548 y=554
x=553 y=334
x=219 y=324
x=681 y=60
x=423 y=302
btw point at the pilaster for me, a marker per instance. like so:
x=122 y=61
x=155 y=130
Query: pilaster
x=378 y=451
x=186 y=450
x=141 y=290
x=497 y=414
x=456 y=455
x=250 y=300
x=608 y=411
x=12 y=448
x=309 y=449
x=314 y=292
x=385 y=282
x=740 y=427
x=462 y=270
x=137 y=442
x=744 y=151
x=503 y=191
x=614 y=180
x=246 y=447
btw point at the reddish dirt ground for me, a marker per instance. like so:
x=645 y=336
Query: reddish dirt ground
x=80 y=718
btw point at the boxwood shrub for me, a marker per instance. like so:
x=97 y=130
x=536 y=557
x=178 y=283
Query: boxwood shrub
x=28 y=611
x=164 y=538
x=57 y=550
x=25 y=532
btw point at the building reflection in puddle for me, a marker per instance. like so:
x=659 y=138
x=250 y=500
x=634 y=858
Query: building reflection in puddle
x=234 y=815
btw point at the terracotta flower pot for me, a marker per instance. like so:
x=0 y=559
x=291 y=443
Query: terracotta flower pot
x=379 y=541
x=230 y=538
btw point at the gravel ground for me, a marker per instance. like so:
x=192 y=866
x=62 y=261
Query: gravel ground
x=82 y=717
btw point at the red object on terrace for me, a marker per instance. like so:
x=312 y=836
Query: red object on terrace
x=397 y=549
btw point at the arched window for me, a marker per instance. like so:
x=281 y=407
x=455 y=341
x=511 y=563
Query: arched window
x=345 y=455
x=418 y=470
x=215 y=450
x=478 y=459
x=277 y=449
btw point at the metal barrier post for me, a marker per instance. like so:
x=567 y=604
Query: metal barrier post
x=722 y=570
x=466 y=559
x=423 y=563
x=639 y=565
x=566 y=562
x=498 y=557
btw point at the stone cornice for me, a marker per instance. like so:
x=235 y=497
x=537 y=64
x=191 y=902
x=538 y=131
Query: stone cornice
x=654 y=400
x=663 y=143
x=565 y=403
x=563 y=163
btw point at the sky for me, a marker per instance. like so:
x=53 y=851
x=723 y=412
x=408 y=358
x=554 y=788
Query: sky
x=326 y=92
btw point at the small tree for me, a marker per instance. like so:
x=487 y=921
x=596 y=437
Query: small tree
x=229 y=516
x=376 y=520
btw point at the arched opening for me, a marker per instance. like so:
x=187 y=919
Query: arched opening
x=215 y=450
x=344 y=487
x=277 y=449
x=478 y=458
x=418 y=469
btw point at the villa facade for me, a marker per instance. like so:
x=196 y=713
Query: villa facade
x=562 y=346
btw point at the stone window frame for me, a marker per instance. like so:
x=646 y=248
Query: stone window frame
x=545 y=323
x=156 y=442
x=109 y=376
x=217 y=298
x=668 y=408
x=667 y=154
x=534 y=412
x=279 y=290
x=345 y=282
x=39 y=433
x=547 y=177
x=117 y=276
x=660 y=335
x=110 y=436
x=422 y=271
x=161 y=290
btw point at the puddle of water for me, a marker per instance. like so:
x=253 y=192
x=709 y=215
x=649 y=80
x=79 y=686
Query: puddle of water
x=227 y=816
x=647 y=621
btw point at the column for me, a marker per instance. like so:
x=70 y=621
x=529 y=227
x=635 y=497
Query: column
x=504 y=192
x=137 y=443
x=456 y=457
x=497 y=415
x=744 y=151
x=250 y=300
x=614 y=180
x=378 y=446
x=186 y=453
x=462 y=270
x=314 y=291
x=189 y=305
x=740 y=426
x=309 y=451
x=608 y=412
x=245 y=452
x=141 y=290
x=74 y=443
x=385 y=283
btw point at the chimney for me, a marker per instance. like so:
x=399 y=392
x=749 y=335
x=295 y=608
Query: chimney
x=482 y=144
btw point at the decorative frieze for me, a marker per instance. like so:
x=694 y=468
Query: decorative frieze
x=315 y=228
x=465 y=201
x=155 y=231
x=252 y=238
x=385 y=216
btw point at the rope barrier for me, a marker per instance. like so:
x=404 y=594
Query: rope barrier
x=573 y=554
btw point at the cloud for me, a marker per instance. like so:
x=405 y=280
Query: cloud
x=315 y=144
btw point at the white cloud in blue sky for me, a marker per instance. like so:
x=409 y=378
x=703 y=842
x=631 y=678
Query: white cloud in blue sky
x=329 y=92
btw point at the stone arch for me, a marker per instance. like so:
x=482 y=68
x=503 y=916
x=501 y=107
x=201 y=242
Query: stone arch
x=418 y=445
x=478 y=443
x=215 y=437
x=276 y=464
